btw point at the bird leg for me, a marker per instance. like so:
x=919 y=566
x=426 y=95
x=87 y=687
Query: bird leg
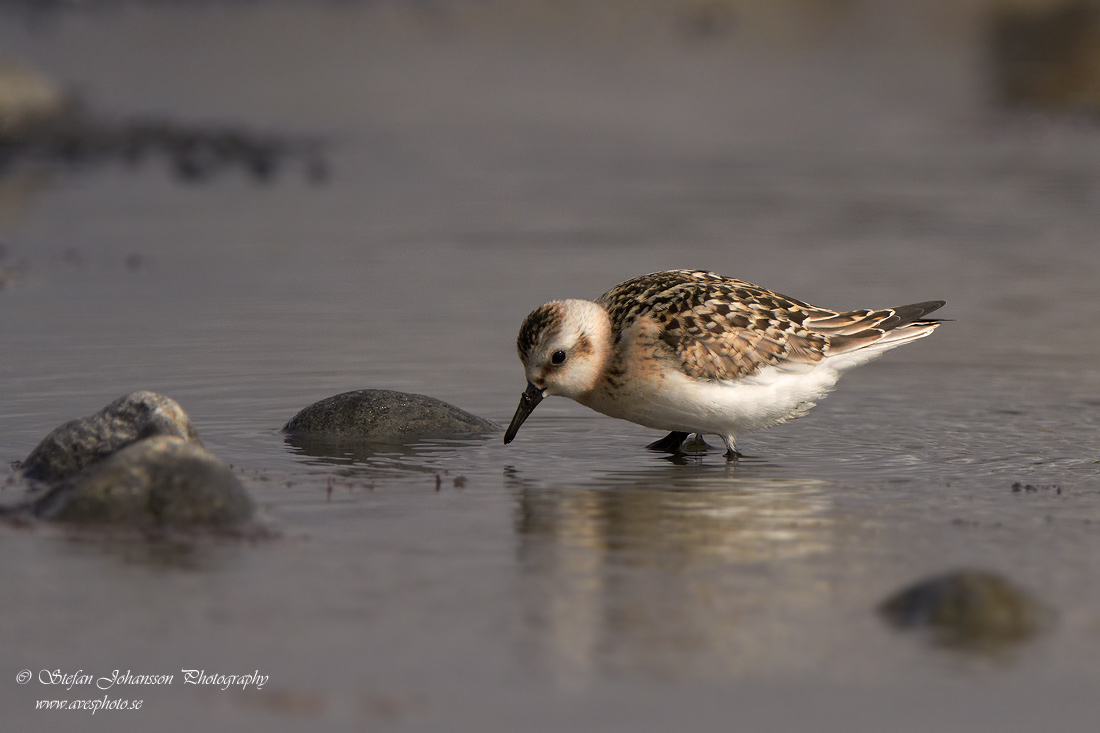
x=695 y=444
x=731 y=452
x=671 y=443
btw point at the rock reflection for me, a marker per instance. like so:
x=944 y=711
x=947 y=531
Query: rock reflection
x=165 y=550
x=666 y=571
x=359 y=458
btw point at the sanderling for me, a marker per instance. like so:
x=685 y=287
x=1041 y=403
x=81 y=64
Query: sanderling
x=694 y=352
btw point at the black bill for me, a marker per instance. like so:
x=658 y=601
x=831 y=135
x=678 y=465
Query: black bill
x=527 y=403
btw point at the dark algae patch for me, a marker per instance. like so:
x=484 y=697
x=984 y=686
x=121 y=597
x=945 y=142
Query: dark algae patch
x=192 y=153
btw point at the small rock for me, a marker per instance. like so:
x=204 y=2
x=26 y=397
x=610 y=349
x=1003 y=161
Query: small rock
x=966 y=609
x=383 y=416
x=78 y=444
x=162 y=481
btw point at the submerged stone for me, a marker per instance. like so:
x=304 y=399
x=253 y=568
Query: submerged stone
x=163 y=481
x=384 y=416
x=966 y=609
x=78 y=444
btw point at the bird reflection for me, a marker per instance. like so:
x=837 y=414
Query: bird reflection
x=666 y=570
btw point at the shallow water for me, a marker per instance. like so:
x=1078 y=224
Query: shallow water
x=571 y=579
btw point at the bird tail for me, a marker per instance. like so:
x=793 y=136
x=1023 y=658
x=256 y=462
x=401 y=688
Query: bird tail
x=856 y=337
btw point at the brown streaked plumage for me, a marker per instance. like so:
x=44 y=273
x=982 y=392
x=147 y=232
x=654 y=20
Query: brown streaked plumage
x=693 y=351
x=544 y=318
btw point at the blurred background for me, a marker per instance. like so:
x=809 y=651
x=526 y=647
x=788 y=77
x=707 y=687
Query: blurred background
x=249 y=206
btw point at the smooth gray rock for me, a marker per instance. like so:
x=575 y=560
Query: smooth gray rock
x=383 y=416
x=967 y=609
x=162 y=481
x=78 y=444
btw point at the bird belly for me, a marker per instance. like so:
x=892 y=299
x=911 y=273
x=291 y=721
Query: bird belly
x=671 y=400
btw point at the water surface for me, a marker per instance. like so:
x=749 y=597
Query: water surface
x=570 y=580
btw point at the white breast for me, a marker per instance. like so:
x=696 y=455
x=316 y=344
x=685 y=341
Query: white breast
x=671 y=400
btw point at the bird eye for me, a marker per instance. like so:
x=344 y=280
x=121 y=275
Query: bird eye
x=558 y=357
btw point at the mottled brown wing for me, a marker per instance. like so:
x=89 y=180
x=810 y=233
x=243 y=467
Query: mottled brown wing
x=717 y=327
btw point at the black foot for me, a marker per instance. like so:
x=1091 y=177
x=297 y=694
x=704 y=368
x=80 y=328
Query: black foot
x=670 y=443
x=732 y=455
